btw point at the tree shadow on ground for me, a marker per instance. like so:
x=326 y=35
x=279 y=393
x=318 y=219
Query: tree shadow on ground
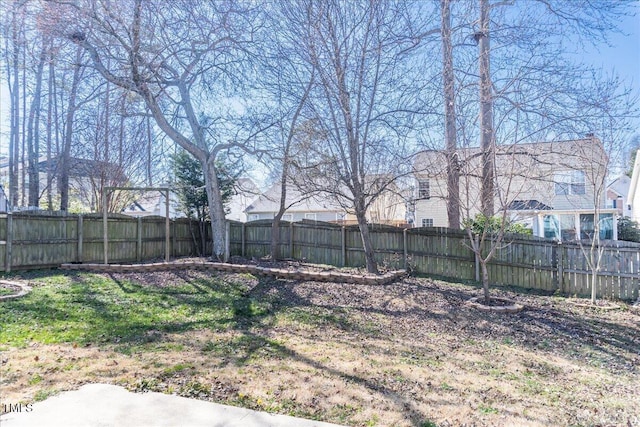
x=285 y=296
x=414 y=307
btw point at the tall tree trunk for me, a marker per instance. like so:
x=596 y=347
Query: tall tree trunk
x=275 y=226
x=14 y=88
x=372 y=266
x=50 y=101
x=121 y=143
x=453 y=171
x=68 y=132
x=149 y=143
x=33 y=133
x=487 y=134
x=23 y=125
x=216 y=208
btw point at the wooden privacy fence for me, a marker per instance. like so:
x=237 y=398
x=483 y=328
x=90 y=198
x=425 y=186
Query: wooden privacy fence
x=524 y=261
x=37 y=240
x=48 y=240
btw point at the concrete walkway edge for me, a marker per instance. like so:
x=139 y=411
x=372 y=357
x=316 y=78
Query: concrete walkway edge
x=105 y=405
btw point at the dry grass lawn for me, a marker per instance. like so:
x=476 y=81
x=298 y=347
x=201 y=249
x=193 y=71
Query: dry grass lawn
x=407 y=354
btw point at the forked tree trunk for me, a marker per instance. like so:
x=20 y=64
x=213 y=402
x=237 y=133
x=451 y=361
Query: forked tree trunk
x=216 y=208
x=50 y=100
x=372 y=266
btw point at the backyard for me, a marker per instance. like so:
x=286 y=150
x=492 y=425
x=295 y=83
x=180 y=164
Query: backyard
x=406 y=354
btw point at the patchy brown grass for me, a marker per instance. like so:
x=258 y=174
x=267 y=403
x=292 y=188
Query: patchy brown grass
x=407 y=354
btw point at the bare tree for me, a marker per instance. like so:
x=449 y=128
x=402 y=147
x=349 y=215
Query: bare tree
x=13 y=45
x=288 y=83
x=33 y=130
x=448 y=77
x=366 y=101
x=487 y=132
x=176 y=57
x=607 y=111
x=65 y=158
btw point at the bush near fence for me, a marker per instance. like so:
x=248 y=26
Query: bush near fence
x=46 y=240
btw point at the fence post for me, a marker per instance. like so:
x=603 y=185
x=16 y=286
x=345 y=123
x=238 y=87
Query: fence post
x=173 y=238
x=139 y=243
x=7 y=262
x=344 y=246
x=80 y=238
x=404 y=248
x=167 y=228
x=105 y=227
x=291 y=239
x=227 y=241
x=242 y=238
x=560 y=252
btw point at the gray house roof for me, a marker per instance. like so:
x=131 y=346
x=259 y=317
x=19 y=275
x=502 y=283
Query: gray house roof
x=269 y=201
x=620 y=185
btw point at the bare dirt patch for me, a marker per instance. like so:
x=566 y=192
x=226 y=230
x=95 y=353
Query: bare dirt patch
x=409 y=353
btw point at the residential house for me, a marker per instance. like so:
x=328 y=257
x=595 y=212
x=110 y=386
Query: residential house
x=245 y=191
x=552 y=187
x=633 y=197
x=388 y=208
x=86 y=179
x=299 y=206
x=617 y=193
x=154 y=203
x=4 y=202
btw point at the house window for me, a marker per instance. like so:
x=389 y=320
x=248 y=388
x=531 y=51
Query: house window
x=311 y=216
x=427 y=222
x=570 y=183
x=287 y=217
x=560 y=227
x=423 y=189
x=587 y=226
x=254 y=217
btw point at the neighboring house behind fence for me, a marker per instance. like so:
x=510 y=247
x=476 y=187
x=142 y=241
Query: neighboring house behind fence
x=388 y=208
x=245 y=192
x=633 y=197
x=86 y=179
x=617 y=195
x=552 y=187
x=154 y=203
x=314 y=207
